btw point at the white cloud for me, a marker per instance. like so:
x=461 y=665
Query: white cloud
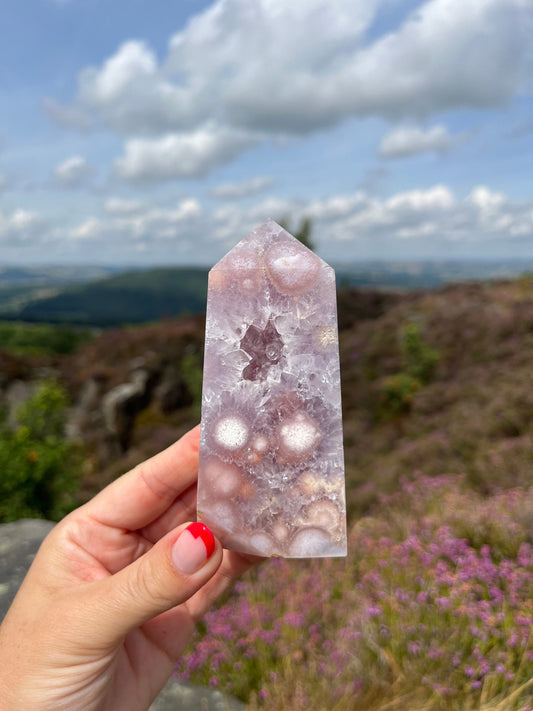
x=427 y=222
x=336 y=207
x=438 y=214
x=496 y=213
x=435 y=218
x=90 y=229
x=180 y=155
x=485 y=199
x=236 y=191
x=361 y=215
x=131 y=94
x=409 y=140
x=232 y=220
x=19 y=226
x=439 y=197
x=160 y=223
x=244 y=71
x=133 y=62
x=73 y=172
x=127 y=221
x=121 y=207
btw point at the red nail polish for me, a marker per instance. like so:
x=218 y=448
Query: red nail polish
x=193 y=548
x=200 y=530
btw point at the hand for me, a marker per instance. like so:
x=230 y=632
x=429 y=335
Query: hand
x=114 y=592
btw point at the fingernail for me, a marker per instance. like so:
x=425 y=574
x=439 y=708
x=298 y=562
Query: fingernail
x=193 y=548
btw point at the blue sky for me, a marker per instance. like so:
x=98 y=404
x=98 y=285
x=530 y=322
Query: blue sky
x=151 y=132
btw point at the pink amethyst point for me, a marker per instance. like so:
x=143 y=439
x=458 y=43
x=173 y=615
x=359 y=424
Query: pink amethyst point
x=271 y=474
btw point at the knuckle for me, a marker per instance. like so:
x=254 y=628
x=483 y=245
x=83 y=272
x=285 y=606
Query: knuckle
x=150 y=586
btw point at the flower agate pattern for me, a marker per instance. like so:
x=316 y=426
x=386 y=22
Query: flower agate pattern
x=271 y=474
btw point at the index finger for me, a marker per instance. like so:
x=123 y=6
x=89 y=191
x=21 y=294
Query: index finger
x=143 y=494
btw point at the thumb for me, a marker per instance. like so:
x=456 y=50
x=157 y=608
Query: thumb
x=167 y=575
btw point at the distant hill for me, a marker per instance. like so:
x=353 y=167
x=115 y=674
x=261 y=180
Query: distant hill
x=133 y=297
x=427 y=274
x=102 y=297
x=21 y=285
x=55 y=275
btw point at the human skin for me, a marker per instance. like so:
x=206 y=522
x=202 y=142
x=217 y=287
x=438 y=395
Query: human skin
x=110 y=601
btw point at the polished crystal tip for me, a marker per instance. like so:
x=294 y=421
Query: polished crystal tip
x=271 y=476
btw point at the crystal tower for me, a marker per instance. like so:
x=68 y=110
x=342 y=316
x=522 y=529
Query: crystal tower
x=271 y=475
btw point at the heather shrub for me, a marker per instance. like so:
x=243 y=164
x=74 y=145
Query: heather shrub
x=420 y=359
x=431 y=610
x=39 y=467
x=397 y=392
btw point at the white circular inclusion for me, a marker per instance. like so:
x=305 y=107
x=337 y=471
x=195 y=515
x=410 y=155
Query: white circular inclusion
x=260 y=444
x=262 y=543
x=300 y=434
x=293 y=269
x=310 y=542
x=222 y=479
x=231 y=432
x=323 y=514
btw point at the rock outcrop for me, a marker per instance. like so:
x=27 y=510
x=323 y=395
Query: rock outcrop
x=122 y=404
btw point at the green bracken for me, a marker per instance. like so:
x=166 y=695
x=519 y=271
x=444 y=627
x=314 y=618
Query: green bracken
x=39 y=466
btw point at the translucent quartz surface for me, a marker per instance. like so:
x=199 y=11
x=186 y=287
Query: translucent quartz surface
x=271 y=477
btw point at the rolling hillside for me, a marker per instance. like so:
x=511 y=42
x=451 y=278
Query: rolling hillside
x=132 y=297
x=99 y=296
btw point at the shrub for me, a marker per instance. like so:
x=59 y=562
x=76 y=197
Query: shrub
x=397 y=392
x=38 y=465
x=41 y=339
x=419 y=616
x=420 y=359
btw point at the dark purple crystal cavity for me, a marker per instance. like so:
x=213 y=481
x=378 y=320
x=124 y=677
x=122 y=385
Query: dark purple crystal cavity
x=271 y=477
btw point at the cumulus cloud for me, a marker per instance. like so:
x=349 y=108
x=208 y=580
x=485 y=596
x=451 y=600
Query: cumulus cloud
x=428 y=222
x=236 y=191
x=336 y=207
x=434 y=218
x=250 y=71
x=73 y=172
x=160 y=223
x=90 y=229
x=485 y=200
x=179 y=155
x=19 y=226
x=435 y=214
x=407 y=141
x=231 y=220
x=128 y=222
x=120 y=207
